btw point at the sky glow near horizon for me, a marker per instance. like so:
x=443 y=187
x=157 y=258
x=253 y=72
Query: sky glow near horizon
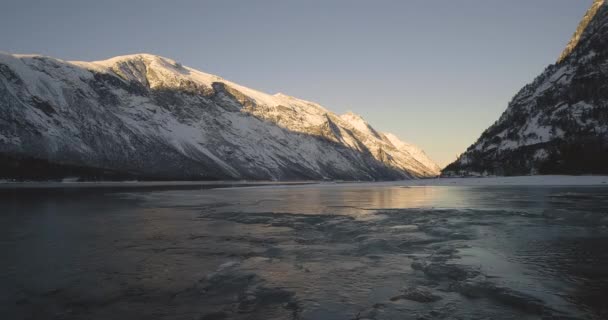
x=435 y=73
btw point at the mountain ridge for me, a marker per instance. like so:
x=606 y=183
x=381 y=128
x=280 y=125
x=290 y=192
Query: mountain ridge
x=152 y=117
x=580 y=30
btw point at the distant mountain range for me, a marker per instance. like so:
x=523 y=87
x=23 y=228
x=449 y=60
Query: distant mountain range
x=559 y=122
x=147 y=117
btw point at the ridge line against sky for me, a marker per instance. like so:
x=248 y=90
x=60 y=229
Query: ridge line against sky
x=435 y=73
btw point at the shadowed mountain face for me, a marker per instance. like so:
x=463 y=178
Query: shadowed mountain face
x=559 y=122
x=149 y=117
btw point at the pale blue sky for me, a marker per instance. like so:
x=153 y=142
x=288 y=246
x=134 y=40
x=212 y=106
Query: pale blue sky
x=436 y=73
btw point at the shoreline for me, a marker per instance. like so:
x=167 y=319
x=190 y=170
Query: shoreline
x=539 y=180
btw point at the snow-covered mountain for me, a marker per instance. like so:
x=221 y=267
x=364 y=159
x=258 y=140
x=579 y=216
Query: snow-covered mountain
x=145 y=116
x=559 y=122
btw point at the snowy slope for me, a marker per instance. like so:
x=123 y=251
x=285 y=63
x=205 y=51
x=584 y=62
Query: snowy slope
x=151 y=117
x=559 y=122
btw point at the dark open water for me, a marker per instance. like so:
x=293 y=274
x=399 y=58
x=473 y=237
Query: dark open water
x=363 y=251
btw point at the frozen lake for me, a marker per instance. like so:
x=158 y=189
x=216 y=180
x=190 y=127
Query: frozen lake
x=433 y=249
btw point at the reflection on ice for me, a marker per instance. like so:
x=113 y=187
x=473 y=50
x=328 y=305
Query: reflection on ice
x=307 y=252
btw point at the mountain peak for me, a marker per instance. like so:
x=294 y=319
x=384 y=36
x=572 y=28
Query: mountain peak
x=355 y=120
x=359 y=124
x=131 y=57
x=582 y=27
x=352 y=115
x=146 y=59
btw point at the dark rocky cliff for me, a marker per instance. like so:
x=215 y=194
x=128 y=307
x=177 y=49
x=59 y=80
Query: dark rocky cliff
x=559 y=122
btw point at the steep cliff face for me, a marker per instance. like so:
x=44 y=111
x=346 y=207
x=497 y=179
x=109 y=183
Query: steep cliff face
x=144 y=116
x=582 y=27
x=559 y=122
